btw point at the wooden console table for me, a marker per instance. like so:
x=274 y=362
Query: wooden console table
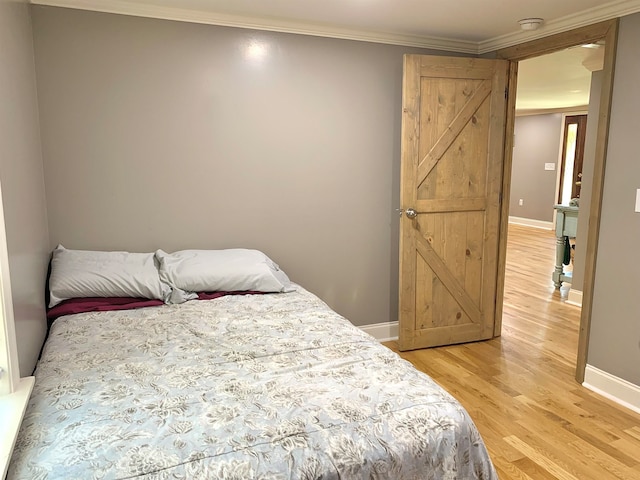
x=566 y=226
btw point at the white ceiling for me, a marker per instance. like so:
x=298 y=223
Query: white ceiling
x=468 y=26
x=559 y=80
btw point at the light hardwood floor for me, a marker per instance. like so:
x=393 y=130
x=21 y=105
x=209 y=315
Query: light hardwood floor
x=537 y=421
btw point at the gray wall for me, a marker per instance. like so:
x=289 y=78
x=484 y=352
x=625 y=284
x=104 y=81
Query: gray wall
x=164 y=134
x=615 y=325
x=22 y=181
x=537 y=141
x=588 y=161
x=299 y=157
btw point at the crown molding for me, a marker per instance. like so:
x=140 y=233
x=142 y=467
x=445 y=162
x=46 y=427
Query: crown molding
x=266 y=24
x=608 y=11
x=577 y=110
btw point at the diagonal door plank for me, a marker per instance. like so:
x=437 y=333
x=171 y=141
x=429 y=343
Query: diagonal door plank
x=452 y=131
x=454 y=287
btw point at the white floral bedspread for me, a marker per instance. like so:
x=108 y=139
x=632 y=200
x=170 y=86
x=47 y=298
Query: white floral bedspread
x=241 y=387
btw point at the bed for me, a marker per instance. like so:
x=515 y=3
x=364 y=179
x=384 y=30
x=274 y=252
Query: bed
x=260 y=385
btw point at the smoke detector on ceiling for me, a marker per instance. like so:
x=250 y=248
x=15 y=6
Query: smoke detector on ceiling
x=530 y=23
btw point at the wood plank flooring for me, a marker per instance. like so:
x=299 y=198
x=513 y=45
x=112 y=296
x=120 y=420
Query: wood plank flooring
x=537 y=421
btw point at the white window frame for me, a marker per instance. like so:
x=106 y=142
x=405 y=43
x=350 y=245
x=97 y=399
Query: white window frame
x=10 y=373
x=14 y=391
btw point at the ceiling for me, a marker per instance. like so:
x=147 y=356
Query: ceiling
x=466 y=26
x=559 y=80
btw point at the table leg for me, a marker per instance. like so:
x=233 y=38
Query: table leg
x=559 y=269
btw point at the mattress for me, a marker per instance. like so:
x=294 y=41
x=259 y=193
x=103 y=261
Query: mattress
x=273 y=386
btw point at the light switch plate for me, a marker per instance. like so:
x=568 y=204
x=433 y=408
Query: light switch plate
x=638 y=200
x=549 y=166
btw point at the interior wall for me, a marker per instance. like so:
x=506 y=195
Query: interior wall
x=614 y=344
x=537 y=141
x=162 y=134
x=21 y=176
x=588 y=163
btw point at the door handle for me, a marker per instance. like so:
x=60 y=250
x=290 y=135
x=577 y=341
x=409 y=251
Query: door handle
x=411 y=213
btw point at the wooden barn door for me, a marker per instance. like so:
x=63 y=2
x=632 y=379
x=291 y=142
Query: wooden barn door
x=453 y=128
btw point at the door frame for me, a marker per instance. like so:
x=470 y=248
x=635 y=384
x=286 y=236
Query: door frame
x=608 y=31
x=581 y=132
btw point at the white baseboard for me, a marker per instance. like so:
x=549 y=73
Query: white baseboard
x=530 y=222
x=383 y=332
x=574 y=297
x=616 y=389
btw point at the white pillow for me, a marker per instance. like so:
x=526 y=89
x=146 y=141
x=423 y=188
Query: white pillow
x=230 y=270
x=83 y=273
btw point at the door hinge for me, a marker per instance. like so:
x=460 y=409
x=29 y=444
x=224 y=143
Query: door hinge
x=506 y=93
x=500 y=198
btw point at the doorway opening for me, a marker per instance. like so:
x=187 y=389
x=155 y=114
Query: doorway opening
x=548 y=152
x=593 y=34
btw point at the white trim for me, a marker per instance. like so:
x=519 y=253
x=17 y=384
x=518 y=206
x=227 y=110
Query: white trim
x=609 y=386
x=618 y=8
x=531 y=222
x=574 y=297
x=383 y=332
x=12 y=408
